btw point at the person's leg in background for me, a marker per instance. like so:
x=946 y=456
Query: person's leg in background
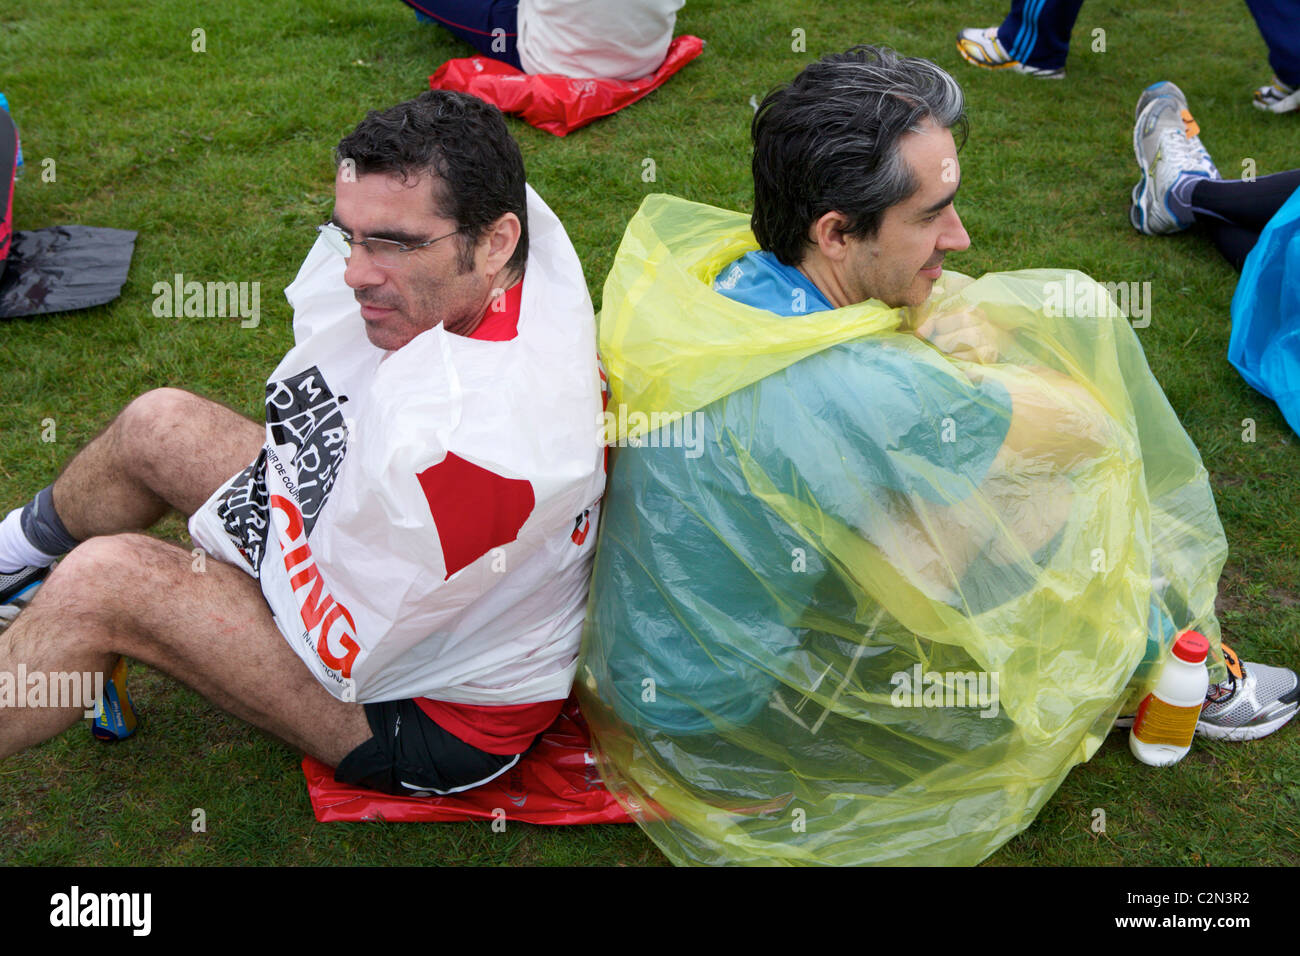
x=1235 y=211
x=1037 y=32
x=1181 y=186
x=1033 y=39
x=1279 y=25
x=490 y=26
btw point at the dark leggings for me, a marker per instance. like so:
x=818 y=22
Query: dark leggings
x=475 y=21
x=1236 y=211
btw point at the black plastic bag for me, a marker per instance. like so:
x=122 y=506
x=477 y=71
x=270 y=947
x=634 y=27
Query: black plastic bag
x=64 y=268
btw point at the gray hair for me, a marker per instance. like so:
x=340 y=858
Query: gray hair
x=829 y=142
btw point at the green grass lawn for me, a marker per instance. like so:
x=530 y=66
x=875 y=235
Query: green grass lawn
x=221 y=160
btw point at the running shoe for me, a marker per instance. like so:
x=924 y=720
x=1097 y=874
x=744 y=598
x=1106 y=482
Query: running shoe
x=1277 y=97
x=16 y=591
x=1253 y=702
x=981 y=47
x=1168 y=148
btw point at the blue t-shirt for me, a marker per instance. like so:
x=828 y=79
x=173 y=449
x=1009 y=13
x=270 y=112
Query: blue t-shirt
x=761 y=280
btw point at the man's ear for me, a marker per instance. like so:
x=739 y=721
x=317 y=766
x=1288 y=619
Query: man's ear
x=498 y=244
x=828 y=235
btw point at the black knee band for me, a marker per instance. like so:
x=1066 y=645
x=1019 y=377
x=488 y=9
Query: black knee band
x=42 y=527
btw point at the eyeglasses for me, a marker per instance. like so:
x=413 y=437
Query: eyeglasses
x=386 y=253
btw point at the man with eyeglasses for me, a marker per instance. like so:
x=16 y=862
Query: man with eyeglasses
x=404 y=564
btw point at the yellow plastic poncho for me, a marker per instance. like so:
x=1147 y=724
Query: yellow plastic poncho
x=857 y=600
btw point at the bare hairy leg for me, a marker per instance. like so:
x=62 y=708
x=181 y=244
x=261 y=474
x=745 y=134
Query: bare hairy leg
x=134 y=595
x=167 y=449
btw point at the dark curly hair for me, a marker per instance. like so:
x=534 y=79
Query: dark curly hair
x=829 y=142
x=478 y=169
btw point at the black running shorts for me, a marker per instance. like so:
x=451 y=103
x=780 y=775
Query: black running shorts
x=410 y=755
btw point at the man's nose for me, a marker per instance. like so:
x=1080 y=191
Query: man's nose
x=361 y=271
x=954 y=237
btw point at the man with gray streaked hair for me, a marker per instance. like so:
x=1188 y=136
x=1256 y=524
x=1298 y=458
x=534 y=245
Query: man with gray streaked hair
x=855 y=172
x=855 y=175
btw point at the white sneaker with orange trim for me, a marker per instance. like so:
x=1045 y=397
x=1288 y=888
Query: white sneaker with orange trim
x=1168 y=148
x=981 y=47
x=1277 y=97
x=1253 y=702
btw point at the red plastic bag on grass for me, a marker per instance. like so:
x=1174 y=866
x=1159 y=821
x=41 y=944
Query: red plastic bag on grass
x=557 y=104
x=556 y=783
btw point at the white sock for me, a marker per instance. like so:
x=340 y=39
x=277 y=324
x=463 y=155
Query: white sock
x=16 y=552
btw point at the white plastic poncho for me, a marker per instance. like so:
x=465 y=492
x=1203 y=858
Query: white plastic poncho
x=420 y=520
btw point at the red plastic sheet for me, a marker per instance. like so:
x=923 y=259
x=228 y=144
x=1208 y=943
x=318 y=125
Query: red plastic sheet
x=556 y=783
x=557 y=104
